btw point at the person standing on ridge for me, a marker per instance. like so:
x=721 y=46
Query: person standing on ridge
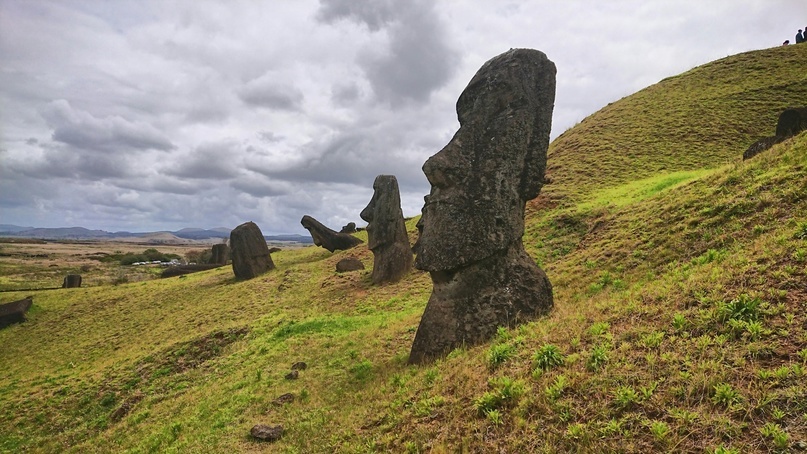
x=799 y=37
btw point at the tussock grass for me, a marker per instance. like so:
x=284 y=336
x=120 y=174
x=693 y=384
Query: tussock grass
x=680 y=322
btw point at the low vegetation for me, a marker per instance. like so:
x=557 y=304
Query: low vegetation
x=680 y=320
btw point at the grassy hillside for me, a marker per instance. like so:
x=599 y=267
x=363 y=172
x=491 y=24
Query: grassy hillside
x=680 y=323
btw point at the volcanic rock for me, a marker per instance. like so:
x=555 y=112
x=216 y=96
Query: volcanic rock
x=349 y=264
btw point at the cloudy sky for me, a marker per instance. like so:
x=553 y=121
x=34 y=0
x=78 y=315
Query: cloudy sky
x=159 y=115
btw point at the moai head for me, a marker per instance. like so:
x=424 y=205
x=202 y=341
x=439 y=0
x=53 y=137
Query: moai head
x=494 y=163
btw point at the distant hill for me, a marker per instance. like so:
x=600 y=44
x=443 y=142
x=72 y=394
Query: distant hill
x=81 y=233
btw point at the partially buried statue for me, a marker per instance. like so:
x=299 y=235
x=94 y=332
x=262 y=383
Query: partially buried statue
x=327 y=238
x=386 y=231
x=249 y=251
x=473 y=218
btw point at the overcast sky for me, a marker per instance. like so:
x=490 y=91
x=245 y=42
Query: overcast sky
x=158 y=115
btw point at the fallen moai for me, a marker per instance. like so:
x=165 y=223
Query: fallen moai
x=327 y=238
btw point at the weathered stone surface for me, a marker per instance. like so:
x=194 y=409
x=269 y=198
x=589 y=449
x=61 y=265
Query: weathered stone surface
x=219 y=254
x=349 y=264
x=386 y=231
x=293 y=375
x=249 y=252
x=72 y=281
x=791 y=122
x=327 y=238
x=267 y=433
x=759 y=146
x=14 y=312
x=473 y=218
x=284 y=399
x=349 y=228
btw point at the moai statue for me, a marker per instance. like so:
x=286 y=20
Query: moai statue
x=71 y=281
x=327 y=238
x=473 y=218
x=250 y=254
x=219 y=254
x=386 y=232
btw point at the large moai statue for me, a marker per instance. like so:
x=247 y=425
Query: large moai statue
x=219 y=254
x=386 y=232
x=327 y=238
x=249 y=251
x=473 y=218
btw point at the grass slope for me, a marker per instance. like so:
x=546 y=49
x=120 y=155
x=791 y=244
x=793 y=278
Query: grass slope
x=680 y=321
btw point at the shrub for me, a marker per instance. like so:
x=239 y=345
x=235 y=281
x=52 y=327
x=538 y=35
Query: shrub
x=725 y=395
x=547 y=357
x=598 y=357
x=499 y=353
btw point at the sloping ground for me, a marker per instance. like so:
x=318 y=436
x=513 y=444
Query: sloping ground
x=680 y=325
x=700 y=119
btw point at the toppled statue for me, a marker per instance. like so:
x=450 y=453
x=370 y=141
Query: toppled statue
x=473 y=218
x=386 y=231
x=249 y=251
x=791 y=122
x=327 y=238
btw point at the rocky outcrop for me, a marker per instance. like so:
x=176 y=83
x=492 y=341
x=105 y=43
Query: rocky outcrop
x=327 y=238
x=14 y=312
x=265 y=432
x=250 y=254
x=791 y=122
x=72 y=281
x=386 y=232
x=473 y=218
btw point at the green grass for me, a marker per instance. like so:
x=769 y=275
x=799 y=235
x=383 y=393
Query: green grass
x=679 y=321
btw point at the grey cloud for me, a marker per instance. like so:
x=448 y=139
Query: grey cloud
x=345 y=93
x=268 y=93
x=270 y=137
x=212 y=161
x=110 y=134
x=374 y=14
x=420 y=57
x=259 y=186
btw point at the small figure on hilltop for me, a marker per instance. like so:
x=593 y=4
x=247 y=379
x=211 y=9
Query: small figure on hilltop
x=799 y=37
x=473 y=218
x=386 y=231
